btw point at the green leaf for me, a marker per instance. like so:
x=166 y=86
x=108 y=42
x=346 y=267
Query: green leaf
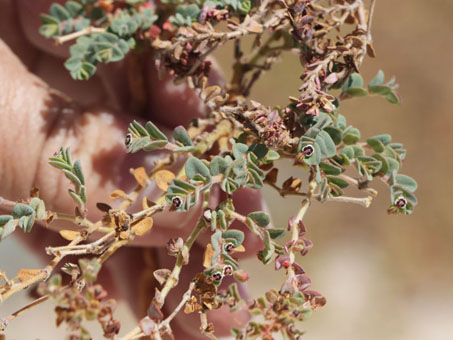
x=276 y=233
x=195 y=167
x=21 y=209
x=378 y=79
x=341 y=122
x=59 y=164
x=260 y=150
x=244 y=6
x=81 y=23
x=5 y=219
x=370 y=163
x=77 y=168
x=77 y=199
x=385 y=165
x=271 y=156
x=351 y=136
x=218 y=166
x=354 y=80
x=375 y=144
x=357 y=92
x=393 y=166
x=235 y=236
x=81 y=49
x=41 y=211
x=255 y=180
x=138 y=144
x=146 y=18
x=182 y=184
x=392 y=98
x=83 y=194
x=180 y=135
x=155 y=132
x=386 y=91
x=229 y=185
x=331 y=150
x=338 y=181
x=157 y=144
x=124 y=25
x=59 y=12
x=125 y=46
x=74 y=8
x=384 y=138
x=381 y=90
x=266 y=254
x=26 y=223
x=34 y=203
x=330 y=169
x=107 y=52
x=261 y=218
x=407 y=182
x=8 y=229
x=73 y=178
x=335 y=133
x=239 y=150
x=348 y=151
x=82 y=71
x=190 y=148
x=50 y=26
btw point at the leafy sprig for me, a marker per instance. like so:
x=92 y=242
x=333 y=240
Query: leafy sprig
x=72 y=171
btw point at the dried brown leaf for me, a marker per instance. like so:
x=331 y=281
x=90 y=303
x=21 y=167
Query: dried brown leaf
x=370 y=50
x=271 y=176
x=34 y=192
x=161 y=275
x=140 y=176
x=292 y=185
x=239 y=249
x=163 y=179
x=142 y=227
x=146 y=203
x=118 y=194
x=254 y=27
x=207 y=257
x=103 y=207
x=69 y=234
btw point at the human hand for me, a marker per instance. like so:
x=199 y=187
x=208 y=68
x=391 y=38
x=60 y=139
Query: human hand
x=43 y=109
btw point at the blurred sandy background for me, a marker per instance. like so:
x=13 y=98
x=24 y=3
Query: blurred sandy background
x=385 y=277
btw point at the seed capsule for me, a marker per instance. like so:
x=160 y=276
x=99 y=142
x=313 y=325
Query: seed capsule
x=229 y=247
x=227 y=270
x=308 y=150
x=128 y=139
x=401 y=202
x=217 y=276
x=177 y=201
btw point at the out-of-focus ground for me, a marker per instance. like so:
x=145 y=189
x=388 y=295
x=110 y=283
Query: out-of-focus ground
x=385 y=277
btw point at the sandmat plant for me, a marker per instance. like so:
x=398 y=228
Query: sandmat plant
x=237 y=144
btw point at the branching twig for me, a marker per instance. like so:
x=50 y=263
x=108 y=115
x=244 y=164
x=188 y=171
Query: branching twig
x=75 y=35
x=295 y=225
